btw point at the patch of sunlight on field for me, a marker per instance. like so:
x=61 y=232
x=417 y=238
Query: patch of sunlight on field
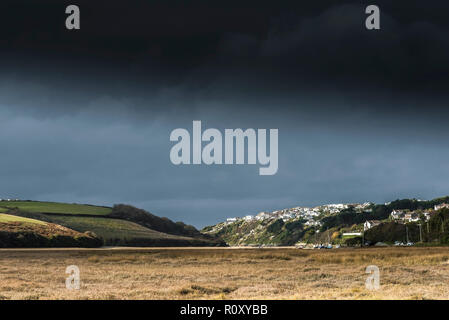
x=110 y=228
x=5 y=218
x=55 y=207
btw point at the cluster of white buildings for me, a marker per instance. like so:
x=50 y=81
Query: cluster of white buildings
x=364 y=207
x=313 y=215
x=414 y=216
x=441 y=206
x=408 y=216
x=310 y=214
x=405 y=216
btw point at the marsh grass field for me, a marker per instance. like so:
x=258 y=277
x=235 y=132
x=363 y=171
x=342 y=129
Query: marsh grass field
x=225 y=273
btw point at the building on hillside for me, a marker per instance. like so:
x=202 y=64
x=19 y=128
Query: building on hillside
x=262 y=216
x=287 y=216
x=312 y=213
x=312 y=223
x=248 y=217
x=370 y=223
x=441 y=206
x=397 y=214
x=408 y=216
x=411 y=217
x=231 y=219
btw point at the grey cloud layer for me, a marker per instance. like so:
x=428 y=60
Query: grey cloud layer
x=77 y=158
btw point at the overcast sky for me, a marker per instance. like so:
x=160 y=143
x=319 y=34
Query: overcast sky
x=87 y=115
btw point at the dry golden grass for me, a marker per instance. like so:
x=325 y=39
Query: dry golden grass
x=406 y=273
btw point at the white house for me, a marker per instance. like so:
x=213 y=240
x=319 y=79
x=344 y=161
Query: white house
x=231 y=219
x=262 y=215
x=370 y=223
x=248 y=217
x=441 y=206
x=287 y=216
x=397 y=214
x=312 y=223
x=411 y=217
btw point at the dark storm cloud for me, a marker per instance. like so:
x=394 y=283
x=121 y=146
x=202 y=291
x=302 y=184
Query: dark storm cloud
x=334 y=50
x=320 y=43
x=196 y=51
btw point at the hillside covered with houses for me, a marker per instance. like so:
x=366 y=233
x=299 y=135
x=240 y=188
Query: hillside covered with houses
x=406 y=221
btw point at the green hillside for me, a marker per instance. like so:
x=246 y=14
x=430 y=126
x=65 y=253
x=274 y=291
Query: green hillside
x=16 y=231
x=55 y=207
x=272 y=229
x=7 y=218
x=269 y=232
x=121 y=225
x=114 y=231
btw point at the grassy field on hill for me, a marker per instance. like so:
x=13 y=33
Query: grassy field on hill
x=6 y=218
x=18 y=231
x=54 y=207
x=115 y=232
x=118 y=226
x=111 y=230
